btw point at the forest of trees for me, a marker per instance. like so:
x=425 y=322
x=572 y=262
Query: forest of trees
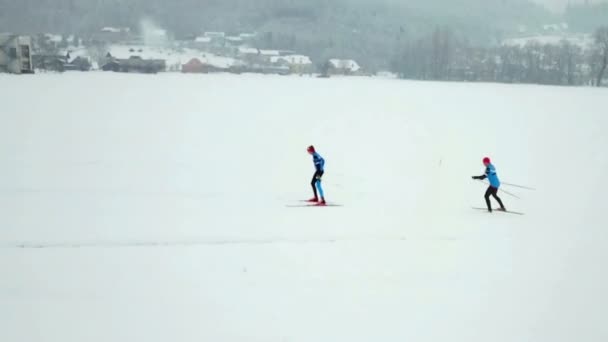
x=445 y=56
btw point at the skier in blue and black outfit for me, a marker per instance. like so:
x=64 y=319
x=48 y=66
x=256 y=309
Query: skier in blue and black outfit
x=316 y=178
x=492 y=177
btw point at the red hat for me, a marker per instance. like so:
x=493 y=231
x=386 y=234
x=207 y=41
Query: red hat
x=311 y=149
x=486 y=160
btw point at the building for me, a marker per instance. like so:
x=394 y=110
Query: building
x=298 y=64
x=78 y=64
x=15 y=54
x=49 y=62
x=195 y=66
x=135 y=64
x=257 y=56
x=343 y=67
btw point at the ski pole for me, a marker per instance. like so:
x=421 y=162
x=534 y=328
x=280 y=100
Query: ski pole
x=499 y=189
x=518 y=186
x=508 y=193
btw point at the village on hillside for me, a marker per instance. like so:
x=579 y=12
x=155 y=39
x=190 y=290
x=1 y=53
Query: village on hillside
x=153 y=51
x=549 y=54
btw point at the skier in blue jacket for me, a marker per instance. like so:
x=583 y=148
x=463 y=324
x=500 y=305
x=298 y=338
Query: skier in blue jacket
x=316 y=178
x=492 y=177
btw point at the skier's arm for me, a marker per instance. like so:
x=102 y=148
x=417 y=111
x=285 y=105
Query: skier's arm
x=484 y=176
x=319 y=161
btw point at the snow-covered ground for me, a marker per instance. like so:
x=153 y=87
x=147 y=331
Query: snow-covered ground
x=153 y=208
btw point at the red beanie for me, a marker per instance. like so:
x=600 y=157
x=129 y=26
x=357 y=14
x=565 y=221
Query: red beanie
x=311 y=149
x=486 y=160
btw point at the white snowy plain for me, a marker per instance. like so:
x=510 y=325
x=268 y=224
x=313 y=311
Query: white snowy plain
x=153 y=208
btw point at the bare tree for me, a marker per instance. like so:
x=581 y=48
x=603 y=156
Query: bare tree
x=569 y=62
x=601 y=40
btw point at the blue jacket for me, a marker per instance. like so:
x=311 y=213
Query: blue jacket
x=318 y=161
x=492 y=176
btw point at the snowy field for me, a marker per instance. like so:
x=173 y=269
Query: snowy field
x=153 y=208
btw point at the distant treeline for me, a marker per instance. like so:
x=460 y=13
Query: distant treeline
x=445 y=56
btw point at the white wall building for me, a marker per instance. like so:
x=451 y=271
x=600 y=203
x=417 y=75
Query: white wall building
x=15 y=54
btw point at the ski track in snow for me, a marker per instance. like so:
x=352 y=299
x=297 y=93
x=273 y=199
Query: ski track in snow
x=194 y=243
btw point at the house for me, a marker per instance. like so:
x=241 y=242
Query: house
x=49 y=62
x=343 y=67
x=112 y=65
x=195 y=66
x=135 y=64
x=253 y=55
x=15 y=54
x=298 y=64
x=78 y=64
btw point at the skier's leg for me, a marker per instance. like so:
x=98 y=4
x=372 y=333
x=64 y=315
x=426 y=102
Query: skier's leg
x=318 y=176
x=495 y=195
x=320 y=188
x=313 y=183
x=487 y=198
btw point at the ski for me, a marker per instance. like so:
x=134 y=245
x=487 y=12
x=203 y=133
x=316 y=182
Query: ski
x=500 y=211
x=313 y=205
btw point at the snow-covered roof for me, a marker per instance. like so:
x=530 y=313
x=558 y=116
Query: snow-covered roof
x=55 y=38
x=253 y=51
x=234 y=39
x=203 y=39
x=247 y=35
x=292 y=59
x=215 y=34
x=220 y=62
x=111 y=29
x=248 y=51
x=115 y=29
x=270 y=52
x=75 y=52
x=347 y=64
